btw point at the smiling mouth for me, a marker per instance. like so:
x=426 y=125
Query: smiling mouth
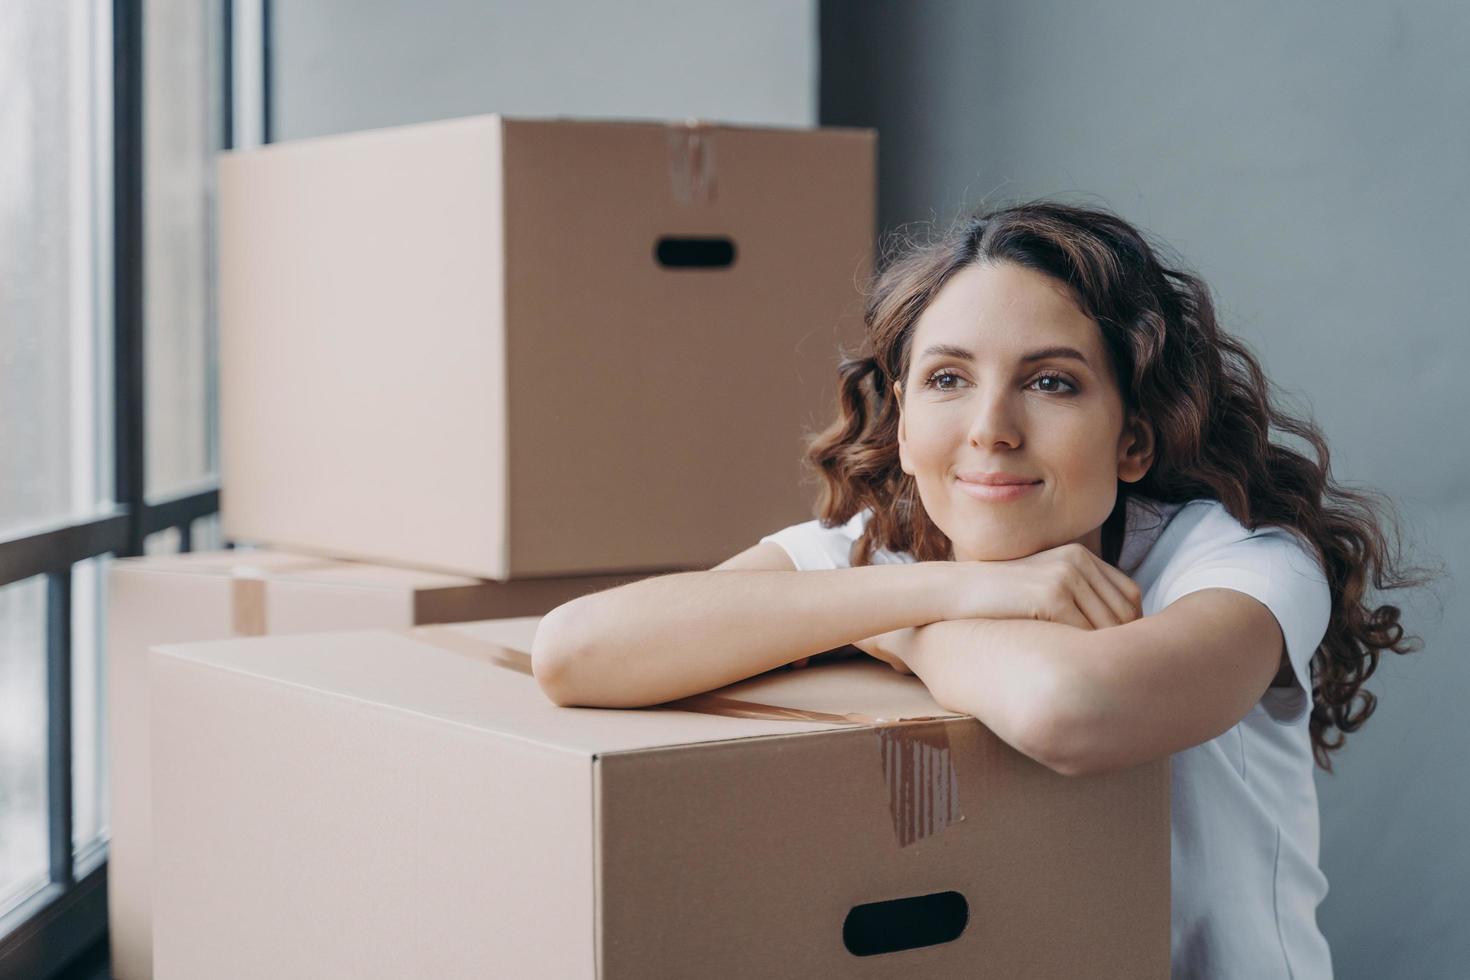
x=997 y=492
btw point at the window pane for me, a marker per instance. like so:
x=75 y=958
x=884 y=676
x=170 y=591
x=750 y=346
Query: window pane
x=23 y=841
x=88 y=702
x=54 y=402
x=165 y=542
x=206 y=535
x=182 y=95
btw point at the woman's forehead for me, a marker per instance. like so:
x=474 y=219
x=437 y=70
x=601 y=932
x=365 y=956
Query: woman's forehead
x=1004 y=311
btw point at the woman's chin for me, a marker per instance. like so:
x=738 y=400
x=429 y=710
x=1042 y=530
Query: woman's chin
x=1002 y=543
x=1007 y=550
x=1010 y=554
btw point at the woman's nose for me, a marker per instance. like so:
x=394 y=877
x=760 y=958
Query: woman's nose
x=995 y=422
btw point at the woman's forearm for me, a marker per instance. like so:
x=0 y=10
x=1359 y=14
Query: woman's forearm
x=671 y=636
x=1013 y=675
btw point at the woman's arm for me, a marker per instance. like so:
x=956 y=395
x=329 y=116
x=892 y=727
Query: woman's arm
x=1084 y=701
x=1010 y=670
x=671 y=636
x=1011 y=674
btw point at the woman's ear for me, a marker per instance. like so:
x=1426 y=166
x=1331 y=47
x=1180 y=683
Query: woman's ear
x=1136 y=448
x=903 y=436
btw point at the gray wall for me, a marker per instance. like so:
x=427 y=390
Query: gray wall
x=1310 y=161
x=341 y=65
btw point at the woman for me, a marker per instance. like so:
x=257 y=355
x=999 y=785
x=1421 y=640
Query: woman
x=1051 y=495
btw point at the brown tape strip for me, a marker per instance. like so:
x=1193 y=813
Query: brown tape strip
x=247 y=605
x=692 y=162
x=714 y=704
x=467 y=646
x=923 y=786
x=247 y=592
x=918 y=766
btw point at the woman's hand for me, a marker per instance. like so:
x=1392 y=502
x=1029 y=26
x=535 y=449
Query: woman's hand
x=1067 y=584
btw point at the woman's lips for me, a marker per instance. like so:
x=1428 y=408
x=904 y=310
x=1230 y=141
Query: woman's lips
x=998 y=492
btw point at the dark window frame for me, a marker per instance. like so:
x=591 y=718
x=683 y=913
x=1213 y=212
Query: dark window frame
x=69 y=916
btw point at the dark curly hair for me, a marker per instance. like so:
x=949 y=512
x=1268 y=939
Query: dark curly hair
x=1209 y=402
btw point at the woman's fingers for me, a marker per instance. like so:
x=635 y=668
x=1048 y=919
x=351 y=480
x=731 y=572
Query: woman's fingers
x=1099 y=613
x=1112 y=587
x=1128 y=588
x=1105 y=591
x=1071 y=614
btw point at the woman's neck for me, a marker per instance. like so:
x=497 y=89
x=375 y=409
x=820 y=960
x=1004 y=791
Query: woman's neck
x=1092 y=541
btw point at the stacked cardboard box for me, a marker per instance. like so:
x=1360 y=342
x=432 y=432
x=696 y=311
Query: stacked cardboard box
x=407 y=803
x=510 y=348
x=241 y=593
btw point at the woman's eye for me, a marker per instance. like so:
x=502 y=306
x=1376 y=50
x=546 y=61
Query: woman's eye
x=1054 y=383
x=937 y=377
x=1049 y=383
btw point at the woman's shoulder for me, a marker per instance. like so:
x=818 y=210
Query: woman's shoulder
x=1178 y=534
x=1202 y=542
x=1205 y=546
x=1203 y=523
x=815 y=545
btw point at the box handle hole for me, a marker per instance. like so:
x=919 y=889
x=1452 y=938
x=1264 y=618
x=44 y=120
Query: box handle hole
x=694 y=253
x=905 y=923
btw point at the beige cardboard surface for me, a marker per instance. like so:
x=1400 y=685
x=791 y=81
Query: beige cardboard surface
x=463 y=324
x=399 y=670
x=565 y=842
x=744 y=858
x=212 y=595
x=300 y=838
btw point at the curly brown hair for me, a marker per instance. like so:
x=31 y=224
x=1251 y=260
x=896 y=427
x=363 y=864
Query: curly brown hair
x=1210 y=404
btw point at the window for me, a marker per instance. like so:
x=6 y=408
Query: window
x=110 y=116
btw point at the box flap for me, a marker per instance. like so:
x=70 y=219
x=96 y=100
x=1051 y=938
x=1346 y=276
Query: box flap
x=661 y=122
x=278 y=566
x=370 y=576
x=227 y=561
x=467 y=674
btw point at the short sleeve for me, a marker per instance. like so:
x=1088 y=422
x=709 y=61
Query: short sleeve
x=1276 y=568
x=812 y=546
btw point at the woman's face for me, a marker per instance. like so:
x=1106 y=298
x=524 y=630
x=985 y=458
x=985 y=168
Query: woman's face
x=1009 y=379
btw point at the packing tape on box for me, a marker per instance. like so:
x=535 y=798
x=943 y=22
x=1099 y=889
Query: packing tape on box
x=692 y=162
x=247 y=604
x=918 y=765
x=247 y=592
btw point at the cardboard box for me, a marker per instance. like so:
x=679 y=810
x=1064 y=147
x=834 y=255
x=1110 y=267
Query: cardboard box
x=216 y=595
x=390 y=804
x=544 y=347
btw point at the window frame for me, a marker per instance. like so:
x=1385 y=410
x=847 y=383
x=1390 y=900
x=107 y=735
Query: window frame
x=69 y=915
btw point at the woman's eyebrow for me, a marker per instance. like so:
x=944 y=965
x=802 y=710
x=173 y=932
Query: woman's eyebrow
x=948 y=350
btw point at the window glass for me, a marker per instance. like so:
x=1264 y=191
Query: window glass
x=165 y=542
x=182 y=121
x=89 y=703
x=24 y=861
x=54 y=230
x=206 y=535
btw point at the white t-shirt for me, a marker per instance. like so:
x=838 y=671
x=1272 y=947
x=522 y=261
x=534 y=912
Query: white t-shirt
x=1244 y=825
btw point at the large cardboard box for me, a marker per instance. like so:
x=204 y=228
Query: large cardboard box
x=392 y=804
x=517 y=347
x=216 y=595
